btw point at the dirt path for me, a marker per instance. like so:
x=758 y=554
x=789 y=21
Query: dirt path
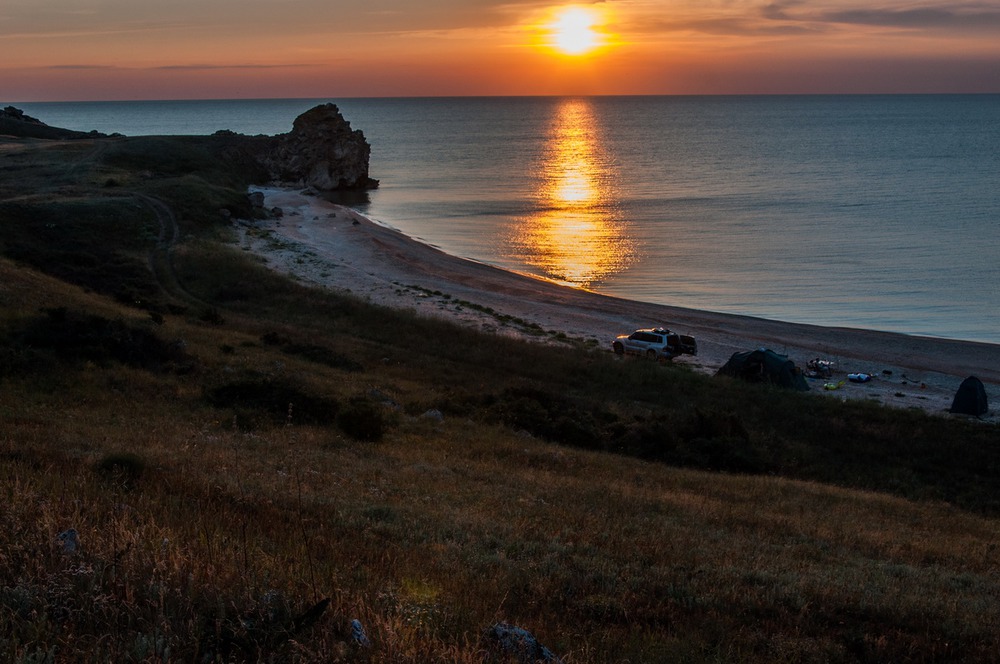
x=160 y=256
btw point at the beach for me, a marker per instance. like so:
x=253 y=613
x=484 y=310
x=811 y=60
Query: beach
x=335 y=247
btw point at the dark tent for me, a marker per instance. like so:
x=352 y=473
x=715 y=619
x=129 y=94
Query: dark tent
x=970 y=399
x=764 y=366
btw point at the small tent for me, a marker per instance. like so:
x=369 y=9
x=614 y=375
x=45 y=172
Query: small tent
x=764 y=366
x=970 y=399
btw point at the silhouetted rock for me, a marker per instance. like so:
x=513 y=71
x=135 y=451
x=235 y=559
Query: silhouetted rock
x=434 y=415
x=256 y=199
x=17 y=114
x=14 y=122
x=321 y=151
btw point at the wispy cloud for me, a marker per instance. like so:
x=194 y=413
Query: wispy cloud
x=191 y=67
x=930 y=17
x=722 y=26
x=792 y=18
x=210 y=67
x=81 y=66
x=70 y=33
x=927 y=18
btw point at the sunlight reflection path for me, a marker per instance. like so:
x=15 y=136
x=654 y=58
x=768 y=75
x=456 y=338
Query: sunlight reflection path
x=574 y=234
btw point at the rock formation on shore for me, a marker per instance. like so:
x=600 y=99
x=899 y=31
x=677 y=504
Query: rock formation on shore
x=14 y=122
x=321 y=151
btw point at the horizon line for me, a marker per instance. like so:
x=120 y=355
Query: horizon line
x=521 y=96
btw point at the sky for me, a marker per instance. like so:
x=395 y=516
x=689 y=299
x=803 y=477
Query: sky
x=76 y=50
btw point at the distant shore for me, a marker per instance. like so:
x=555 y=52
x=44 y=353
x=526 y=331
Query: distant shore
x=338 y=248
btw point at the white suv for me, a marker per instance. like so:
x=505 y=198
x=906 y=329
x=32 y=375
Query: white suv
x=656 y=343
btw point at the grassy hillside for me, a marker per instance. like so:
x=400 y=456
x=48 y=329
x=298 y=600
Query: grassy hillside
x=249 y=464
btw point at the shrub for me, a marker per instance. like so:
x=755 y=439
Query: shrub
x=312 y=352
x=323 y=355
x=262 y=401
x=73 y=336
x=548 y=415
x=362 y=420
x=211 y=316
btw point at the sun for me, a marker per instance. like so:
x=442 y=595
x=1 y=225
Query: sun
x=573 y=31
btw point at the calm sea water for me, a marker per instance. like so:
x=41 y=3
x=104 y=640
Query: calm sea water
x=880 y=212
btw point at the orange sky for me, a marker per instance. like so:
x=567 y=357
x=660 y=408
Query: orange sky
x=184 y=49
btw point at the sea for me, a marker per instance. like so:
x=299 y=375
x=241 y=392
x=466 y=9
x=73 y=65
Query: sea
x=876 y=212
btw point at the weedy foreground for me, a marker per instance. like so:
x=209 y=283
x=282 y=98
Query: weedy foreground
x=206 y=461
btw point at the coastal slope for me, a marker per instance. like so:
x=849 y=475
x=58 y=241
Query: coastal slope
x=339 y=248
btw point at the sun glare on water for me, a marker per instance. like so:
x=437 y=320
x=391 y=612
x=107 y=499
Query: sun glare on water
x=573 y=32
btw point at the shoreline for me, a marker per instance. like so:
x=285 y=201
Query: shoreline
x=332 y=246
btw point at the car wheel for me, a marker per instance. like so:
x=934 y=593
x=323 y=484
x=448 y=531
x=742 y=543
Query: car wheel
x=651 y=354
x=618 y=348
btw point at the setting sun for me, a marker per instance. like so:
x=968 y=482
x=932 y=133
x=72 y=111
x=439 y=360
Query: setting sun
x=573 y=31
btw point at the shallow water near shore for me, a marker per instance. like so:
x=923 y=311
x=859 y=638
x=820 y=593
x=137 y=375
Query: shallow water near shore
x=878 y=212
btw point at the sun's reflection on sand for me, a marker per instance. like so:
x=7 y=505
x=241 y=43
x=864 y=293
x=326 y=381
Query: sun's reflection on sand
x=574 y=234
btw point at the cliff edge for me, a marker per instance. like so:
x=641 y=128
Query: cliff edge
x=13 y=122
x=321 y=151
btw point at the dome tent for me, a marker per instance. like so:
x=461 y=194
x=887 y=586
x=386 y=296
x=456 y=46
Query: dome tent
x=764 y=366
x=970 y=399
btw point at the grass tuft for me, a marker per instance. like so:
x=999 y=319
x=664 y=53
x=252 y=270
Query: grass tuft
x=123 y=469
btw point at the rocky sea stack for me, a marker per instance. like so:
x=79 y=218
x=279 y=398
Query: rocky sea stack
x=321 y=151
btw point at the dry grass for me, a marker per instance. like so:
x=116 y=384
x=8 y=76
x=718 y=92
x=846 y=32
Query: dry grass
x=441 y=530
x=210 y=531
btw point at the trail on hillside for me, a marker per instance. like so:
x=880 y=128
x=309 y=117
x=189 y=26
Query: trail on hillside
x=161 y=255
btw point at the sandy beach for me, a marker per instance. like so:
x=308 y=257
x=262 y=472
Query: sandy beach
x=335 y=247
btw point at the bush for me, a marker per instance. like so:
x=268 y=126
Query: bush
x=73 y=336
x=548 y=415
x=260 y=401
x=362 y=420
x=312 y=352
x=324 y=356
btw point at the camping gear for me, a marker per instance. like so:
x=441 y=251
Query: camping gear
x=818 y=368
x=859 y=377
x=764 y=366
x=970 y=399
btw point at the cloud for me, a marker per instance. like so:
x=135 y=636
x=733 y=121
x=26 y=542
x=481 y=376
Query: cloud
x=82 y=32
x=794 y=18
x=942 y=17
x=191 y=67
x=210 y=67
x=926 y=18
x=81 y=66
x=737 y=26
x=767 y=23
